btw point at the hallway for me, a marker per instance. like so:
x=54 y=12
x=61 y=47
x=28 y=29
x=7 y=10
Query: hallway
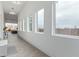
x=20 y=48
x=45 y=29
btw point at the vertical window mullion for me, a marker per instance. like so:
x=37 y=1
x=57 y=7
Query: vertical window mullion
x=53 y=18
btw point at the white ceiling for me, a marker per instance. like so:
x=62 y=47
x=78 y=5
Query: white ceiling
x=7 y=7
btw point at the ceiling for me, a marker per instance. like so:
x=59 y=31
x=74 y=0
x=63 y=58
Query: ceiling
x=10 y=6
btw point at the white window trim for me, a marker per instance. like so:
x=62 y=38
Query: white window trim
x=28 y=24
x=67 y=36
x=53 y=17
x=54 y=25
x=36 y=23
x=23 y=25
x=20 y=25
x=40 y=32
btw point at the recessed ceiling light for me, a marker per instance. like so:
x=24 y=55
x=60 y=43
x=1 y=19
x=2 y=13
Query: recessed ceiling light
x=12 y=13
x=16 y=2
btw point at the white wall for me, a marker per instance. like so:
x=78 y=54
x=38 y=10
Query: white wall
x=51 y=45
x=1 y=21
x=3 y=43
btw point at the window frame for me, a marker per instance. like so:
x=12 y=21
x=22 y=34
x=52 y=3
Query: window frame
x=28 y=28
x=54 y=24
x=36 y=22
x=23 y=24
x=20 y=25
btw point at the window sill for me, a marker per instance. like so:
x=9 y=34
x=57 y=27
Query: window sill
x=29 y=31
x=67 y=36
x=39 y=32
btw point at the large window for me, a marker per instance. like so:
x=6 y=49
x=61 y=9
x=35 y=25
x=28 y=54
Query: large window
x=20 y=25
x=29 y=23
x=40 y=20
x=23 y=25
x=67 y=18
x=11 y=26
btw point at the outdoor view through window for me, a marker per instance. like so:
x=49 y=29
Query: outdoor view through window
x=67 y=18
x=40 y=22
x=29 y=23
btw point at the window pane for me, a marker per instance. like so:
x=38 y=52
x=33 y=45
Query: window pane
x=67 y=17
x=40 y=21
x=11 y=26
x=30 y=26
x=23 y=25
x=30 y=19
x=29 y=23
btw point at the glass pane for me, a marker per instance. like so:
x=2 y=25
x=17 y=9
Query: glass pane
x=67 y=17
x=29 y=23
x=30 y=26
x=30 y=19
x=40 y=20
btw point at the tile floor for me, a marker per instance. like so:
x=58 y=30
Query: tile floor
x=20 y=48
